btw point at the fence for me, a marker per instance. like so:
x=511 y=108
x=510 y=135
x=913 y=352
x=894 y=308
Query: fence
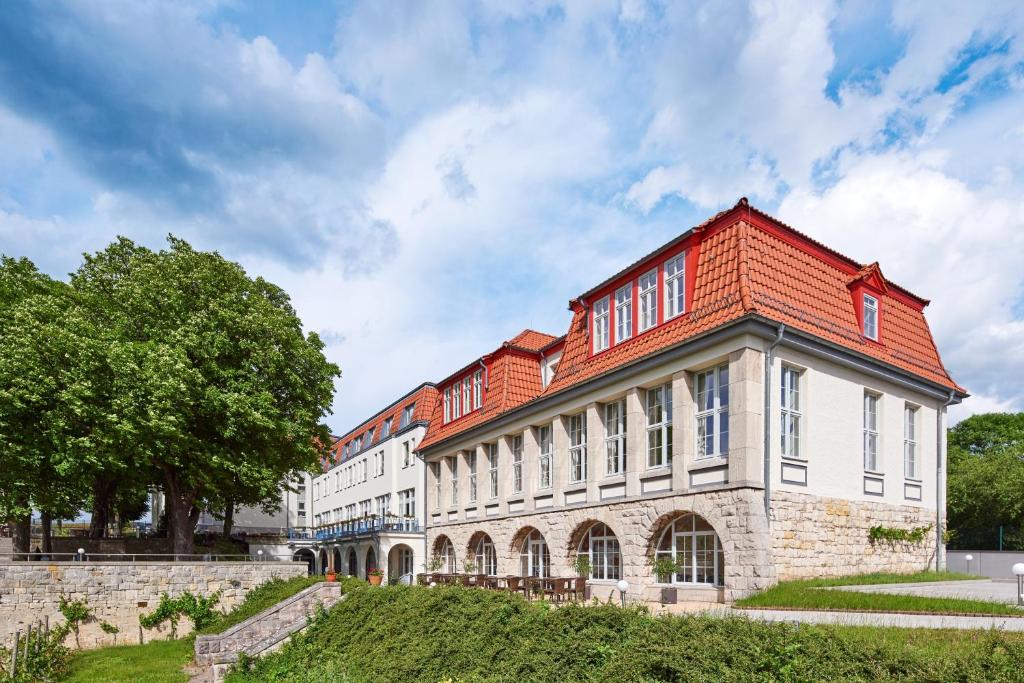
x=991 y=563
x=998 y=537
x=139 y=557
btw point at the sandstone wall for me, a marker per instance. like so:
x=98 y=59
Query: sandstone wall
x=118 y=592
x=814 y=536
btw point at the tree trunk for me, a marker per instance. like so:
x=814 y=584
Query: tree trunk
x=47 y=523
x=22 y=537
x=229 y=519
x=102 y=496
x=182 y=515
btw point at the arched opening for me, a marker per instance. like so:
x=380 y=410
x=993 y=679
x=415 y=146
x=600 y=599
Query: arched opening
x=691 y=543
x=353 y=563
x=534 y=554
x=306 y=555
x=323 y=561
x=336 y=557
x=600 y=546
x=400 y=564
x=481 y=551
x=371 y=561
x=444 y=555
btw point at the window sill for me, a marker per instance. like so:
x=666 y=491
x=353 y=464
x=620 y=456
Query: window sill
x=656 y=473
x=575 y=486
x=794 y=458
x=613 y=479
x=707 y=463
x=874 y=473
x=913 y=480
x=516 y=498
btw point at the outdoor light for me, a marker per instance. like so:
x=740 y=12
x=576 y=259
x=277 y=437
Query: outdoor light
x=259 y=554
x=969 y=558
x=433 y=583
x=81 y=554
x=1018 y=571
x=623 y=586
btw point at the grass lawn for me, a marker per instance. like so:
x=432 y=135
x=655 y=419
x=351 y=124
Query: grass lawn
x=813 y=594
x=159 y=661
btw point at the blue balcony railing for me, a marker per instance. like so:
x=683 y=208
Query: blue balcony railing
x=355 y=527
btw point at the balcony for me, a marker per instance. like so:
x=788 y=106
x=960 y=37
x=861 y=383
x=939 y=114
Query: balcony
x=353 y=528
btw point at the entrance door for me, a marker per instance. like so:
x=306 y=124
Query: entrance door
x=539 y=559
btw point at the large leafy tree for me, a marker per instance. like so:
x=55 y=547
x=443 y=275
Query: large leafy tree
x=213 y=383
x=986 y=481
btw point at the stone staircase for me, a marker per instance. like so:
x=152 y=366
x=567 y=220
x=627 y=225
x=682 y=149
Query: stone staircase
x=262 y=633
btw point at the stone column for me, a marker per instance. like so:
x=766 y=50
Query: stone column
x=531 y=452
x=560 y=457
x=746 y=404
x=595 y=451
x=682 y=430
x=636 y=440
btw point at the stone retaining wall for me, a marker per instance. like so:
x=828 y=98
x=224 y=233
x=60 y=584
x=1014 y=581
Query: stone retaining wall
x=118 y=592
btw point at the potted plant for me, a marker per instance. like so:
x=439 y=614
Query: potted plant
x=581 y=565
x=664 y=569
x=375 y=576
x=469 y=566
x=331 y=576
x=434 y=564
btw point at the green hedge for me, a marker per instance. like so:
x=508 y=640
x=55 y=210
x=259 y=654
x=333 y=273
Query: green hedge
x=449 y=633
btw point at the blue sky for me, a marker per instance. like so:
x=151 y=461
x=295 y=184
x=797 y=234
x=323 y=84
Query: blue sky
x=428 y=178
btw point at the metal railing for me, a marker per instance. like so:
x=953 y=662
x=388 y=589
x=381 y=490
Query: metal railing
x=355 y=527
x=139 y=557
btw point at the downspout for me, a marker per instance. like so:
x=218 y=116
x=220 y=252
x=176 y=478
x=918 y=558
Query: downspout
x=940 y=488
x=767 y=424
x=487 y=374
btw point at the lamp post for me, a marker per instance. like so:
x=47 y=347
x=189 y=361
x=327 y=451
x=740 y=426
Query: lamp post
x=1018 y=571
x=623 y=586
x=259 y=555
x=969 y=558
x=81 y=554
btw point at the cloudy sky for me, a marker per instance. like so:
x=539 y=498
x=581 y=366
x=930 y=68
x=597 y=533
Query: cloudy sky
x=428 y=178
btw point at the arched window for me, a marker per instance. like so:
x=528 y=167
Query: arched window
x=534 y=556
x=447 y=554
x=601 y=547
x=486 y=557
x=694 y=545
x=371 y=561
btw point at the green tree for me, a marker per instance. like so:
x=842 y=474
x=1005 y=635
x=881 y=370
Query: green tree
x=213 y=383
x=986 y=480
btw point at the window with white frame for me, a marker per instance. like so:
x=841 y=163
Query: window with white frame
x=456 y=404
x=659 y=426
x=447 y=555
x=406 y=454
x=517 y=463
x=492 y=470
x=601 y=547
x=386 y=429
x=871 y=432
x=713 y=412
x=407 y=414
x=316 y=490
x=369 y=438
x=435 y=467
x=577 y=447
x=870 y=317
x=364 y=508
x=693 y=545
x=478 y=389
x=648 y=286
x=378 y=464
x=624 y=313
x=486 y=556
x=467 y=395
x=471 y=459
x=675 y=286
x=453 y=464
x=363 y=469
x=544 y=462
x=911 y=455
x=447 y=405
x=407 y=503
x=789 y=404
x=615 y=437
x=383 y=505
x=601 y=324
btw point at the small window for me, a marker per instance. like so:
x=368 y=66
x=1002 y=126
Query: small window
x=791 y=415
x=386 y=429
x=870 y=317
x=601 y=325
x=675 y=286
x=478 y=389
x=871 y=432
x=407 y=416
x=578 y=448
x=624 y=313
x=911 y=455
x=544 y=462
x=648 y=300
x=369 y=438
x=713 y=413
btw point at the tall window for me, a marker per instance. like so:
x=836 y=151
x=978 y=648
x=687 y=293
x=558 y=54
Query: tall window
x=870 y=317
x=911 y=461
x=517 y=464
x=471 y=457
x=447 y=555
x=871 y=432
x=601 y=325
x=534 y=556
x=435 y=467
x=406 y=454
x=486 y=557
x=454 y=465
x=615 y=437
x=447 y=405
x=478 y=389
x=648 y=300
x=601 y=547
x=713 y=412
x=407 y=502
x=378 y=464
x=386 y=429
x=492 y=470
x=467 y=395
x=624 y=313
x=694 y=546
x=369 y=438
x=659 y=426
x=790 y=406
x=544 y=462
x=407 y=416
x=364 y=508
x=577 y=447
x=675 y=286
x=456 y=413
x=383 y=504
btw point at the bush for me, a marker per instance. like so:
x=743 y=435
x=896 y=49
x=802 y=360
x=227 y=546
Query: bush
x=258 y=599
x=411 y=633
x=198 y=609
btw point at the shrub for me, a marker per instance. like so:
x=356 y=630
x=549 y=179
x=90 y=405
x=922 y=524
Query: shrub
x=198 y=609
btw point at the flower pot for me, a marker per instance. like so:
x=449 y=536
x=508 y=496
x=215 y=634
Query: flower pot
x=375 y=580
x=331 y=578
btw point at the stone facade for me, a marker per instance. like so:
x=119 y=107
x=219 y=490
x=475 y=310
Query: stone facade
x=118 y=592
x=736 y=514
x=814 y=537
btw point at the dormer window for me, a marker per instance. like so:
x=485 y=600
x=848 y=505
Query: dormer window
x=675 y=288
x=456 y=412
x=870 y=317
x=624 y=313
x=478 y=389
x=386 y=430
x=407 y=416
x=369 y=437
x=601 y=327
x=447 y=405
x=648 y=300
x=467 y=388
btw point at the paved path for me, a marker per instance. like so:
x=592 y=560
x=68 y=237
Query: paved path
x=989 y=590
x=885 y=619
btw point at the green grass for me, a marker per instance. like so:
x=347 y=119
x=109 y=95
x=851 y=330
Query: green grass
x=158 y=661
x=812 y=594
x=260 y=598
x=415 y=634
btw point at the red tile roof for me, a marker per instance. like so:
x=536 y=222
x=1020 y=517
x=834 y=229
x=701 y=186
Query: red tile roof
x=746 y=264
